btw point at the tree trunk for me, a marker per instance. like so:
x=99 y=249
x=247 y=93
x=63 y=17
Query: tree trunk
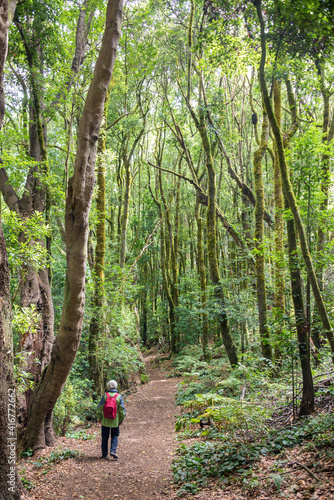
x=327 y=136
x=212 y=249
x=307 y=403
x=165 y=270
x=279 y=227
x=202 y=277
x=9 y=480
x=129 y=176
x=125 y=214
x=10 y=485
x=211 y=233
x=288 y=189
x=35 y=288
x=96 y=324
x=325 y=185
x=258 y=237
x=302 y=326
x=78 y=204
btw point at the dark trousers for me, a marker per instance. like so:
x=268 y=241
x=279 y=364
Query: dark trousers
x=114 y=433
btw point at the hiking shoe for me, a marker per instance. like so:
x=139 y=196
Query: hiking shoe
x=114 y=456
x=104 y=458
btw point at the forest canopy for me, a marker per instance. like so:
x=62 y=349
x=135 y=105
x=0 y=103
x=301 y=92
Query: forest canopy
x=179 y=194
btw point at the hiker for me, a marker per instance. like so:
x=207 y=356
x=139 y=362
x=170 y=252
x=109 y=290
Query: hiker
x=111 y=412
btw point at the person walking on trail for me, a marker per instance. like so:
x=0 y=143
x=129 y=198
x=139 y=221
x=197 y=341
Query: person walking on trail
x=111 y=413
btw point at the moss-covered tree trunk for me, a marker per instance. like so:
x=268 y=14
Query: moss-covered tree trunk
x=212 y=247
x=327 y=136
x=202 y=277
x=259 y=244
x=307 y=402
x=78 y=204
x=279 y=228
x=175 y=247
x=170 y=268
x=96 y=325
x=10 y=485
x=125 y=212
x=288 y=189
x=165 y=258
x=129 y=177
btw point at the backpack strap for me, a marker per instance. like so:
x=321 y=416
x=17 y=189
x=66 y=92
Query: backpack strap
x=111 y=395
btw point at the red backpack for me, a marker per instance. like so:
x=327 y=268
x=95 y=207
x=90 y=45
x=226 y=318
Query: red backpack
x=110 y=406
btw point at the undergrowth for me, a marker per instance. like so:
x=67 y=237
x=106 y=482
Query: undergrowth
x=227 y=414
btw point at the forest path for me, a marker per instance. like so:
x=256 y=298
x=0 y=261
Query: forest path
x=146 y=448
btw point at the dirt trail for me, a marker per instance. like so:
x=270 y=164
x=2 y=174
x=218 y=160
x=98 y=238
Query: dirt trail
x=146 y=448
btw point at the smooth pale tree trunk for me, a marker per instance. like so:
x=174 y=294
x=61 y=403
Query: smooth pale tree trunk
x=258 y=239
x=288 y=189
x=78 y=204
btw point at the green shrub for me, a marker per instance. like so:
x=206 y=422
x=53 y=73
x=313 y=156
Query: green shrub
x=55 y=457
x=73 y=406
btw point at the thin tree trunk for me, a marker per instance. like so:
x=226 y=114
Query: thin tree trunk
x=125 y=214
x=288 y=189
x=165 y=258
x=302 y=326
x=327 y=136
x=307 y=402
x=170 y=269
x=96 y=325
x=129 y=176
x=202 y=277
x=212 y=247
x=258 y=237
x=279 y=227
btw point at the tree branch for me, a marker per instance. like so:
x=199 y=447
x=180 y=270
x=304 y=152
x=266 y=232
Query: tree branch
x=203 y=199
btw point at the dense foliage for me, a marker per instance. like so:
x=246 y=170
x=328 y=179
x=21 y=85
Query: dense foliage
x=211 y=223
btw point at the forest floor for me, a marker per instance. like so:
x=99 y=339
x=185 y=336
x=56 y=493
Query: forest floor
x=147 y=446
